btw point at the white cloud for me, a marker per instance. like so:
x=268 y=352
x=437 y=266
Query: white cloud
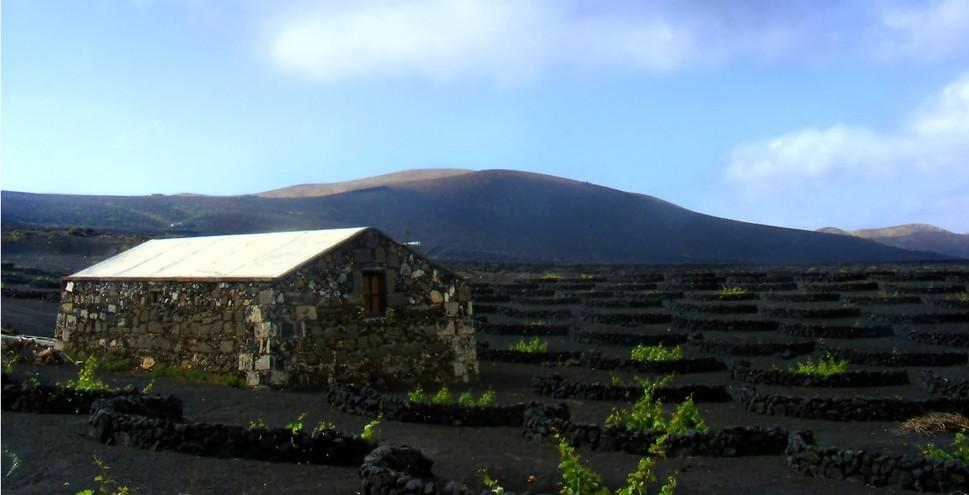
x=931 y=31
x=925 y=159
x=935 y=140
x=515 y=40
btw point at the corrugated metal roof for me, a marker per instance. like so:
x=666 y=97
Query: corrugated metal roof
x=248 y=256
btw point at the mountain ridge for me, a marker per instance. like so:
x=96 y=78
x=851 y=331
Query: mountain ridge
x=917 y=236
x=490 y=215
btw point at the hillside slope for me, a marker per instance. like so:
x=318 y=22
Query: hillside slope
x=396 y=178
x=486 y=215
x=914 y=236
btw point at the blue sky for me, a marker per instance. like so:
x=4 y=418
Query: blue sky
x=802 y=114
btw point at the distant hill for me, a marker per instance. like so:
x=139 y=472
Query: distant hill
x=915 y=236
x=498 y=215
x=396 y=178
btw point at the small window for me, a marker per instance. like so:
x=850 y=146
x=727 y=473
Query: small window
x=373 y=294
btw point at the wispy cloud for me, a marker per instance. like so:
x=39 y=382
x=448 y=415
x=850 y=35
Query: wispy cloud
x=926 y=154
x=516 y=40
x=931 y=31
x=934 y=140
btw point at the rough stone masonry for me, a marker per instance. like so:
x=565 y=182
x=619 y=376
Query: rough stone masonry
x=307 y=327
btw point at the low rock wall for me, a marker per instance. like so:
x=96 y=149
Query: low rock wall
x=556 y=387
x=785 y=350
x=847 y=408
x=901 y=358
x=742 y=371
x=678 y=366
x=37 y=398
x=364 y=401
x=940 y=338
x=147 y=423
x=407 y=471
x=908 y=472
x=630 y=339
x=728 y=442
x=949 y=387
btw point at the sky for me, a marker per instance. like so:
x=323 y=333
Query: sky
x=798 y=113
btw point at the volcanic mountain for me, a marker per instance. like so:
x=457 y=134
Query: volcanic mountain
x=914 y=236
x=498 y=215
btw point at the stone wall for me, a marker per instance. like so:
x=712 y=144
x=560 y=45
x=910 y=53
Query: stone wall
x=203 y=325
x=307 y=327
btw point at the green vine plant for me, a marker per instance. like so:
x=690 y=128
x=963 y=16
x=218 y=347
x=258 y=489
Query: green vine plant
x=727 y=292
x=656 y=353
x=371 y=429
x=534 y=345
x=107 y=485
x=960 y=450
x=86 y=380
x=417 y=395
x=14 y=460
x=443 y=396
x=8 y=364
x=323 y=426
x=296 y=426
x=578 y=479
x=647 y=414
x=825 y=366
x=494 y=488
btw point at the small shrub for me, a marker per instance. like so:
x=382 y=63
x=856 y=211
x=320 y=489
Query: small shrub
x=8 y=364
x=491 y=484
x=964 y=297
x=417 y=395
x=148 y=387
x=466 y=399
x=960 y=450
x=371 y=429
x=14 y=462
x=727 y=292
x=443 y=396
x=536 y=324
x=582 y=480
x=656 y=353
x=86 y=380
x=825 y=366
x=551 y=277
x=576 y=478
x=685 y=418
x=257 y=424
x=646 y=413
x=487 y=398
x=616 y=381
x=321 y=427
x=106 y=484
x=297 y=425
x=532 y=346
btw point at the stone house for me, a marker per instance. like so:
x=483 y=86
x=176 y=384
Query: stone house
x=277 y=309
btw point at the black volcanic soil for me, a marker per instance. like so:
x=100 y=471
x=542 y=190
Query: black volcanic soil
x=55 y=455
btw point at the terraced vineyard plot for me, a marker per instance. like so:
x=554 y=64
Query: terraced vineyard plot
x=751 y=343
